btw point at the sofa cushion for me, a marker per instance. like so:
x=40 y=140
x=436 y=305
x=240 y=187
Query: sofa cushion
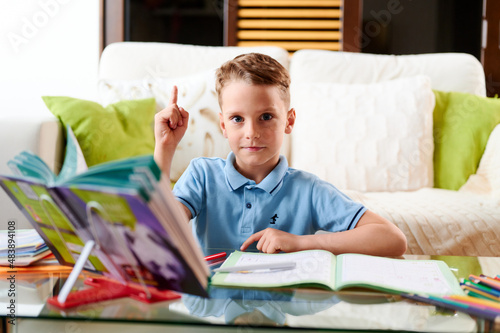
x=438 y=221
x=139 y=60
x=366 y=137
x=486 y=180
x=107 y=133
x=447 y=71
x=462 y=125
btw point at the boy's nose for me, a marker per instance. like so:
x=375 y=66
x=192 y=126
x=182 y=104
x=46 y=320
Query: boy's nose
x=251 y=131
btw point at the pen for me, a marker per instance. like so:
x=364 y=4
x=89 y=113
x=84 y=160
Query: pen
x=249 y=268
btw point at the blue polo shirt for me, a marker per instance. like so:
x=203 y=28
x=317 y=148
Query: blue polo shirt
x=227 y=207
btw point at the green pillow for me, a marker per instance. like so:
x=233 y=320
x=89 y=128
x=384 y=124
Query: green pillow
x=462 y=125
x=120 y=130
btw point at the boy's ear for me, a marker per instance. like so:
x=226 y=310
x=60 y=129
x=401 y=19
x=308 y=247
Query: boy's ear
x=222 y=125
x=290 y=121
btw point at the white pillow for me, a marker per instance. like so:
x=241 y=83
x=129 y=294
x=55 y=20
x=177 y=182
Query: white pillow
x=196 y=94
x=487 y=177
x=365 y=137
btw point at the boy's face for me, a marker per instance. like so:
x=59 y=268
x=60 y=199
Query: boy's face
x=254 y=119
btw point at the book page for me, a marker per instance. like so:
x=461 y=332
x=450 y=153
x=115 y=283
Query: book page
x=415 y=276
x=74 y=161
x=311 y=266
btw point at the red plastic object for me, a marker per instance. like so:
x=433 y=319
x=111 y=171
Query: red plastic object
x=106 y=289
x=215 y=256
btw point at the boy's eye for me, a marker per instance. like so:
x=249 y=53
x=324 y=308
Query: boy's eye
x=267 y=116
x=237 y=119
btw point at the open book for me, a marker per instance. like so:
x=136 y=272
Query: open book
x=318 y=268
x=125 y=206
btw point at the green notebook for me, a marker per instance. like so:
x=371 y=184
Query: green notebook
x=318 y=268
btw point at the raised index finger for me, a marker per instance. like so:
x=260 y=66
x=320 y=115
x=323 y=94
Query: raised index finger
x=173 y=96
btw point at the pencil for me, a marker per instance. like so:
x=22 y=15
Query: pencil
x=480 y=292
x=492 y=283
x=482 y=287
x=495 y=283
x=477 y=297
x=474 y=294
x=452 y=305
x=477 y=301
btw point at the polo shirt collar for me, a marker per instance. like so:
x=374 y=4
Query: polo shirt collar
x=271 y=184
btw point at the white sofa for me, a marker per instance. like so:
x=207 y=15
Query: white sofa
x=435 y=221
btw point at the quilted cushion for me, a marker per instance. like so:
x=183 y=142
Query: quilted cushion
x=366 y=137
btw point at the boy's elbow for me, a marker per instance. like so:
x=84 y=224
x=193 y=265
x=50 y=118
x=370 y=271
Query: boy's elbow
x=400 y=244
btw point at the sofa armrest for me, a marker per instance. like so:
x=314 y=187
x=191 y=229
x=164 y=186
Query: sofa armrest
x=33 y=133
x=51 y=144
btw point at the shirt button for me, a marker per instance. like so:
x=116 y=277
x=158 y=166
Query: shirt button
x=249 y=205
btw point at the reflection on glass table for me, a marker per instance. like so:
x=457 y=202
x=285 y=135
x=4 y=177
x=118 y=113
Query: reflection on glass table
x=322 y=310
x=258 y=309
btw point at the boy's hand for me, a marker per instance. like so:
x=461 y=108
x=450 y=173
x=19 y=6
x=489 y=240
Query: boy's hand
x=171 y=123
x=273 y=241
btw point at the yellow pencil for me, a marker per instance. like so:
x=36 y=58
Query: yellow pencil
x=475 y=300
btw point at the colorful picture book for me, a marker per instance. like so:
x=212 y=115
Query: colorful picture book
x=26 y=247
x=125 y=206
x=318 y=268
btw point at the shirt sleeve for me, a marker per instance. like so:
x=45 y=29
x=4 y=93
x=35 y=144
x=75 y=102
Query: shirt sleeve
x=334 y=211
x=189 y=189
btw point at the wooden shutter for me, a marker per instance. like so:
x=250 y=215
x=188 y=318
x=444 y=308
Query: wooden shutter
x=291 y=24
x=490 y=50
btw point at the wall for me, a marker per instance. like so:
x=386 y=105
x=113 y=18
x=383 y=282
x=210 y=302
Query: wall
x=47 y=47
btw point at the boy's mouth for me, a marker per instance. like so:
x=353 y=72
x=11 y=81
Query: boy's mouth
x=253 y=148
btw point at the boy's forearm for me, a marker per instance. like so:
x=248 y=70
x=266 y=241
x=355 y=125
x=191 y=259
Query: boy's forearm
x=164 y=157
x=373 y=240
x=373 y=235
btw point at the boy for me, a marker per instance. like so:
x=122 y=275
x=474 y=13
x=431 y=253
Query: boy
x=254 y=196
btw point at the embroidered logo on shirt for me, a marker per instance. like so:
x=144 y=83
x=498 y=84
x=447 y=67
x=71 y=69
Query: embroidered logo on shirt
x=274 y=218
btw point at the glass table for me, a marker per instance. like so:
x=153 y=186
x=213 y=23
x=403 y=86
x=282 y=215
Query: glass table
x=239 y=309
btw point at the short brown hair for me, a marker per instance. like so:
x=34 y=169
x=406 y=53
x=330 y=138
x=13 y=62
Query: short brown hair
x=254 y=68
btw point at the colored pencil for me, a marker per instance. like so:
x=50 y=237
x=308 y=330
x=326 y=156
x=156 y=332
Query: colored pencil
x=482 y=287
x=492 y=283
x=480 y=292
x=450 y=304
x=477 y=301
x=473 y=294
x=477 y=297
